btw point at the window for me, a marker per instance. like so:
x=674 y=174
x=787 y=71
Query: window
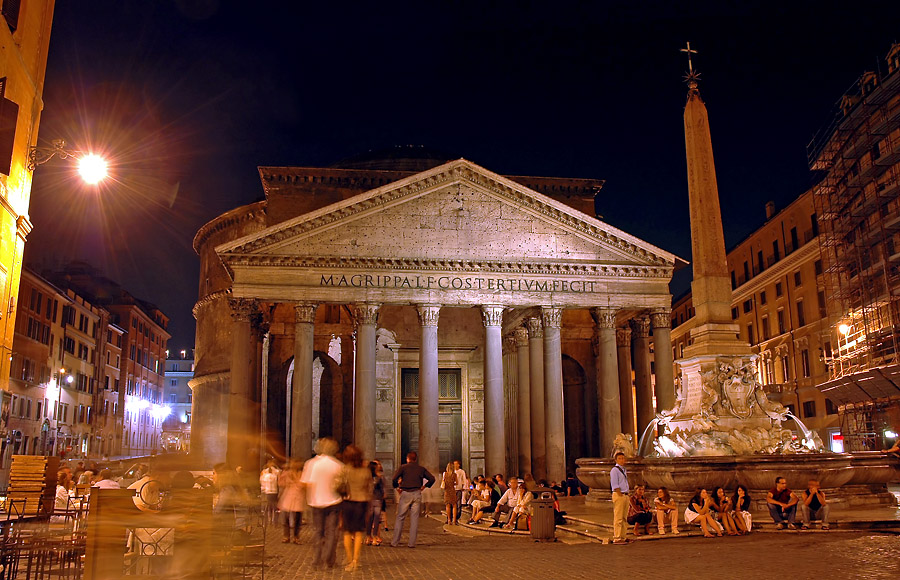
x=746 y=271
x=786 y=367
x=765 y=328
x=778 y=290
x=759 y=260
x=173 y=397
x=770 y=371
x=809 y=409
x=830 y=407
x=821 y=298
x=795 y=240
x=775 y=251
x=762 y=297
x=818 y=267
x=780 y=317
x=9 y=115
x=797 y=279
x=804 y=362
x=748 y=306
x=733 y=281
x=814 y=223
x=734 y=313
x=801 y=317
x=750 y=334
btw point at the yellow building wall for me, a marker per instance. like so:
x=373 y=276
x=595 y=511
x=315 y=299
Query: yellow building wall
x=23 y=63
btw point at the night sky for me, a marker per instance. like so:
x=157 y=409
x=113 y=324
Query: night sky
x=189 y=97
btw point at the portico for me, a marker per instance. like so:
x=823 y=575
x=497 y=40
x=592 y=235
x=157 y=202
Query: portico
x=433 y=272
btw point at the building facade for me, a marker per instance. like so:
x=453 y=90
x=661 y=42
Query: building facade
x=178 y=397
x=857 y=157
x=410 y=304
x=24 y=40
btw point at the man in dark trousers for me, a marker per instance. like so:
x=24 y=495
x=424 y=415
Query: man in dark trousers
x=410 y=479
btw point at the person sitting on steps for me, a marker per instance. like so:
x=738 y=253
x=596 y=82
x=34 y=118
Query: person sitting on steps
x=639 y=511
x=508 y=501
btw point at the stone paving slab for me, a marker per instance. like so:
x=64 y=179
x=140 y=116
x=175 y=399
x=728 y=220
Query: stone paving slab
x=456 y=553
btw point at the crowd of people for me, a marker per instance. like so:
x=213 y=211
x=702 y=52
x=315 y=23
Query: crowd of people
x=717 y=512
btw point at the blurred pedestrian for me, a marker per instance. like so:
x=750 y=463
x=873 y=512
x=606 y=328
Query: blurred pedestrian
x=268 y=487
x=290 y=501
x=356 y=504
x=376 y=505
x=319 y=474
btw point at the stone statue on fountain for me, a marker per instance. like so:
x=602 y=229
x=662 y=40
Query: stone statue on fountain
x=728 y=413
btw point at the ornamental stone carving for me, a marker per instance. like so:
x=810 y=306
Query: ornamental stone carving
x=521 y=336
x=366 y=313
x=509 y=343
x=476 y=396
x=604 y=317
x=305 y=312
x=384 y=428
x=535 y=328
x=640 y=327
x=428 y=314
x=384 y=395
x=551 y=316
x=492 y=315
x=661 y=318
x=623 y=337
x=243 y=309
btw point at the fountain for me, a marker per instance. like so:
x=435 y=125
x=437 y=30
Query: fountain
x=723 y=429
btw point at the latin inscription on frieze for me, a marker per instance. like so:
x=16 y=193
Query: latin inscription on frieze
x=457 y=283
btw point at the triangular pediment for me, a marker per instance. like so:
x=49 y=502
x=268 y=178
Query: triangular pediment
x=455 y=212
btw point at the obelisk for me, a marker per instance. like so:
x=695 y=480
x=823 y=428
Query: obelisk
x=714 y=335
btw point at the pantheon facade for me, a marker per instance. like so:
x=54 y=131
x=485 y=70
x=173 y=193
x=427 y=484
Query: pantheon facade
x=405 y=302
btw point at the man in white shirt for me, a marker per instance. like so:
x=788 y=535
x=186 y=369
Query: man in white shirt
x=462 y=484
x=105 y=481
x=318 y=477
x=513 y=502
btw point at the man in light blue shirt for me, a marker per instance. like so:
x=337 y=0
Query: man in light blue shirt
x=618 y=481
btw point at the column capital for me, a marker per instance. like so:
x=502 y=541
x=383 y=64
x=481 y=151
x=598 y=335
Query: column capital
x=623 y=336
x=604 y=317
x=428 y=314
x=366 y=313
x=551 y=316
x=661 y=318
x=521 y=336
x=509 y=343
x=535 y=328
x=640 y=327
x=243 y=309
x=492 y=315
x=305 y=312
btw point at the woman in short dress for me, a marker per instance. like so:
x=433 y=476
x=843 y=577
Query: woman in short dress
x=698 y=511
x=448 y=484
x=741 y=503
x=356 y=504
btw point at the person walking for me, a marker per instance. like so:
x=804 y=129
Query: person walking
x=319 y=474
x=268 y=486
x=462 y=487
x=410 y=480
x=290 y=500
x=448 y=484
x=355 y=505
x=618 y=481
x=376 y=504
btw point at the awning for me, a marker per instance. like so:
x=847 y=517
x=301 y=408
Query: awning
x=869 y=385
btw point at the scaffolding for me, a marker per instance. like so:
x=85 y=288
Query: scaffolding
x=857 y=200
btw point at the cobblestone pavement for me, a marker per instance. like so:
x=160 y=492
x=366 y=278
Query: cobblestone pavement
x=461 y=555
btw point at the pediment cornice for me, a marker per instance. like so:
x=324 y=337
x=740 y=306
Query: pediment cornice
x=460 y=171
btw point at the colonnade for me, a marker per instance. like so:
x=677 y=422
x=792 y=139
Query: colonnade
x=540 y=416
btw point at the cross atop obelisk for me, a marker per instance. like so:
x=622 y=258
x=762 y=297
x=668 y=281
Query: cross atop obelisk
x=691 y=77
x=689 y=52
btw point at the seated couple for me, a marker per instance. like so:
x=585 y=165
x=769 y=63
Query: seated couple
x=515 y=502
x=641 y=514
x=717 y=513
x=783 y=504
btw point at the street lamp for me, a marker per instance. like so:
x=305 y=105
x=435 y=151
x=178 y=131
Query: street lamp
x=91 y=167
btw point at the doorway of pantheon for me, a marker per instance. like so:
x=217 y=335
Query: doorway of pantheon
x=449 y=414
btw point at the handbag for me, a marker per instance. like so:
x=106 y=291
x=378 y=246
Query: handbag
x=342 y=483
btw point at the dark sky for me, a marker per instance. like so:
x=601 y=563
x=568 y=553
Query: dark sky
x=189 y=97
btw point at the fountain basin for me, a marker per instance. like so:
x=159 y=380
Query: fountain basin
x=854 y=478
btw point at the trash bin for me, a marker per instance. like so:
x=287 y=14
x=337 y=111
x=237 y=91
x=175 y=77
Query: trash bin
x=543 y=523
